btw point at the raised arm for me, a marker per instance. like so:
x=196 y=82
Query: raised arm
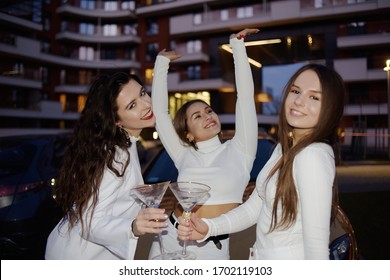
x=246 y=118
x=164 y=125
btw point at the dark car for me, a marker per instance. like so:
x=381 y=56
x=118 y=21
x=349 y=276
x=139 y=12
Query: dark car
x=161 y=167
x=29 y=167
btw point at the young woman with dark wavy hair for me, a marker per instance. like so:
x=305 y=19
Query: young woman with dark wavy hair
x=101 y=166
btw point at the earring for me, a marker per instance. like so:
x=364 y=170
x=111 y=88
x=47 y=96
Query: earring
x=125 y=134
x=290 y=134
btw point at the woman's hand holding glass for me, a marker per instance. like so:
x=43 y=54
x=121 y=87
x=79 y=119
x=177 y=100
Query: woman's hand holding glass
x=150 y=220
x=195 y=229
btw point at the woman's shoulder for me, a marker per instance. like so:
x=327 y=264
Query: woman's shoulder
x=316 y=151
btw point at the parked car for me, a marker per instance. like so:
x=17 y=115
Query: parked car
x=29 y=167
x=161 y=167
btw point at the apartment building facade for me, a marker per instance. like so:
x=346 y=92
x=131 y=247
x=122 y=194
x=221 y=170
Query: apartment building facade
x=50 y=57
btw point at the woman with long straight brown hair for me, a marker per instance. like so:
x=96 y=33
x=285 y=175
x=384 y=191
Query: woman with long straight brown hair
x=295 y=191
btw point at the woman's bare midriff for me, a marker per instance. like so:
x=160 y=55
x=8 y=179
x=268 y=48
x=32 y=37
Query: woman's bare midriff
x=208 y=211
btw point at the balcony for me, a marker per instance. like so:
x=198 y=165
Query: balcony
x=356 y=70
x=96 y=13
x=363 y=40
x=268 y=14
x=45 y=110
x=29 y=48
x=20 y=82
x=20 y=22
x=98 y=38
x=178 y=84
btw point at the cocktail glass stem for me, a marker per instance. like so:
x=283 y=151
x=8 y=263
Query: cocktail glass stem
x=186 y=217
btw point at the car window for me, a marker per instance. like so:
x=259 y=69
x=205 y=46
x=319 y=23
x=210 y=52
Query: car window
x=163 y=169
x=15 y=157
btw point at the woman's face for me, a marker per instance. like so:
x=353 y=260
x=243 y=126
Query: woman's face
x=303 y=103
x=202 y=122
x=134 y=108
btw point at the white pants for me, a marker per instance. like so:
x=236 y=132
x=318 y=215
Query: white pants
x=203 y=250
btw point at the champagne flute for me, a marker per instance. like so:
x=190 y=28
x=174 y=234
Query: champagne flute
x=151 y=195
x=188 y=195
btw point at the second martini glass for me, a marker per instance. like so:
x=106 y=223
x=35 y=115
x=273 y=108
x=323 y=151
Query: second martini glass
x=188 y=194
x=151 y=195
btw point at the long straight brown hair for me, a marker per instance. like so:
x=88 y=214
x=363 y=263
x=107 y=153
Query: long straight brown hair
x=332 y=106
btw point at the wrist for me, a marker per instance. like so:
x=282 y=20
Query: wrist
x=134 y=230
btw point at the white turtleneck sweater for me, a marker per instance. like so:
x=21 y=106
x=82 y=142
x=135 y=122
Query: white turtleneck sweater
x=225 y=167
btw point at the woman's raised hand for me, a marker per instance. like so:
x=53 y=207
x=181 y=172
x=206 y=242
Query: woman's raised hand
x=244 y=33
x=171 y=55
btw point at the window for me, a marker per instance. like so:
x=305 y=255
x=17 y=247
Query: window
x=85 y=77
x=148 y=76
x=45 y=75
x=194 y=72
x=194 y=46
x=46 y=22
x=130 y=29
x=128 y=5
x=64 y=25
x=45 y=46
x=87 y=4
x=110 y=6
x=152 y=27
x=197 y=19
x=152 y=50
x=81 y=100
x=63 y=102
x=110 y=30
x=86 y=28
x=245 y=12
x=224 y=15
x=86 y=53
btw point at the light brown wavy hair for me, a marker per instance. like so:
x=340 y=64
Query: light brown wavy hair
x=333 y=98
x=180 y=123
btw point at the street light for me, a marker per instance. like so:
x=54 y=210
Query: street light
x=387 y=69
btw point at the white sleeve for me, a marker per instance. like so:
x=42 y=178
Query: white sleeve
x=246 y=131
x=238 y=219
x=314 y=173
x=108 y=230
x=164 y=124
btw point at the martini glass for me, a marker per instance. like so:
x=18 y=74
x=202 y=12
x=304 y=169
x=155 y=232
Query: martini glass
x=188 y=195
x=151 y=195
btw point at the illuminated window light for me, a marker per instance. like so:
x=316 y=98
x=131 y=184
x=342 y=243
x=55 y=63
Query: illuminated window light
x=251 y=61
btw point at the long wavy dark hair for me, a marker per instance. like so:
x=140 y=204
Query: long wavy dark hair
x=92 y=148
x=332 y=107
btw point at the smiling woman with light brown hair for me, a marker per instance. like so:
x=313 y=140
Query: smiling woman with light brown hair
x=295 y=191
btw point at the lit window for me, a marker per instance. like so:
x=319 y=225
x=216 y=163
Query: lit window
x=224 y=15
x=149 y=76
x=197 y=19
x=81 y=100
